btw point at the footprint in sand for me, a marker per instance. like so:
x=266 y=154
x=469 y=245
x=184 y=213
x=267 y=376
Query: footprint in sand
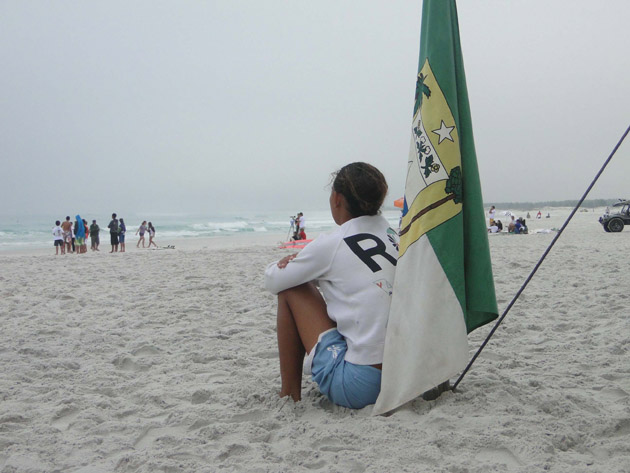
x=150 y=435
x=499 y=456
x=146 y=350
x=127 y=364
x=250 y=416
x=613 y=394
x=232 y=450
x=622 y=428
x=64 y=418
x=267 y=355
x=200 y=397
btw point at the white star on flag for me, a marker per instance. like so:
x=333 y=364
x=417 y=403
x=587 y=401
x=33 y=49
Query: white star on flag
x=444 y=132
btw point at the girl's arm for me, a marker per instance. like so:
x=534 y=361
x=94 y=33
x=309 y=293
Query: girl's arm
x=292 y=270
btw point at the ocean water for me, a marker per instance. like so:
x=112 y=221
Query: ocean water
x=35 y=231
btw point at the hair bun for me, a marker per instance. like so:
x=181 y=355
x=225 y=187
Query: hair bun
x=363 y=186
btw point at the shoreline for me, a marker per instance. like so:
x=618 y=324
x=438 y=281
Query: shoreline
x=263 y=231
x=265 y=240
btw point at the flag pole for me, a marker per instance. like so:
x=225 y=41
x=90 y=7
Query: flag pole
x=531 y=275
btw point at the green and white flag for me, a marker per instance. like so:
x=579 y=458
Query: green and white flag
x=444 y=287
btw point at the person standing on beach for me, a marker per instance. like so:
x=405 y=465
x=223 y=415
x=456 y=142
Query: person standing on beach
x=292 y=228
x=151 y=235
x=122 y=229
x=57 y=232
x=66 y=226
x=79 y=231
x=141 y=229
x=302 y=226
x=74 y=237
x=113 y=233
x=492 y=213
x=343 y=332
x=94 y=231
x=87 y=233
x=296 y=227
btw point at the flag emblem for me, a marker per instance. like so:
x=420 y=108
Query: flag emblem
x=433 y=189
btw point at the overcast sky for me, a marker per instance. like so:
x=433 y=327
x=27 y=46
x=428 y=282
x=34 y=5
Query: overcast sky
x=222 y=106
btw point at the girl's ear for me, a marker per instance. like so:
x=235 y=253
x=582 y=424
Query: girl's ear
x=338 y=199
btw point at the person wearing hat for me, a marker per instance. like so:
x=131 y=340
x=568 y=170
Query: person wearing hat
x=94 y=240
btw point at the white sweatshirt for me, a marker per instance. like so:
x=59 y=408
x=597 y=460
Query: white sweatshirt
x=354 y=267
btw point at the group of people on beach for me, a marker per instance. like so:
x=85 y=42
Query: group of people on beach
x=539 y=215
x=71 y=237
x=516 y=225
x=298 y=223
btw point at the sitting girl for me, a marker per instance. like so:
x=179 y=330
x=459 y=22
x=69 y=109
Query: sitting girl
x=343 y=332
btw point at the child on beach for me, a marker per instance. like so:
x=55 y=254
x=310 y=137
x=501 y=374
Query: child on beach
x=151 y=235
x=79 y=232
x=122 y=229
x=94 y=238
x=58 y=238
x=343 y=332
x=142 y=229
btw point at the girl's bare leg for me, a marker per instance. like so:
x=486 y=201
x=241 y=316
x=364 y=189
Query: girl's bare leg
x=302 y=316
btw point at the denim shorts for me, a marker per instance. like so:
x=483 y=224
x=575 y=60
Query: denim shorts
x=344 y=383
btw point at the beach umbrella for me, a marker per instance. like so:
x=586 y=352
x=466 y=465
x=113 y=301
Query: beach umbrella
x=399 y=202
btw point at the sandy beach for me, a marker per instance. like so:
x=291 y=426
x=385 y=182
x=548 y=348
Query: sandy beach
x=166 y=361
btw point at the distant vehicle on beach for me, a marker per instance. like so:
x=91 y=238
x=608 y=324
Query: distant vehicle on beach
x=614 y=222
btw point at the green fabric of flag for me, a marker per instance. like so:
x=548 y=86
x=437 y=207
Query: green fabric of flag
x=444 y=286
x=440 y=44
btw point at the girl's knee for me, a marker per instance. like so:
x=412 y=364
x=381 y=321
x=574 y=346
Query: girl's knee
x=304 y=295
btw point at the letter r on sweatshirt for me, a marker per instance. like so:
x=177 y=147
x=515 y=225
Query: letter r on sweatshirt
x=367 y=255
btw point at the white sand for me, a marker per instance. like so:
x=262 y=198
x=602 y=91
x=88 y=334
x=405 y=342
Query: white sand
x=166 y=361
